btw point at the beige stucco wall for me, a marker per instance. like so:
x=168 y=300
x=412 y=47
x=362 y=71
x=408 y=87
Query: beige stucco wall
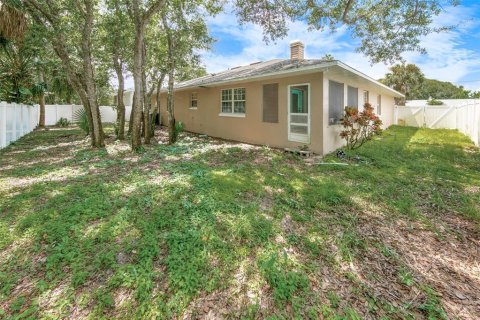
x=324 y=138
x=251 y=129
x=331 y=133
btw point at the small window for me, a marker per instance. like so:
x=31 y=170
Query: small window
x=366 y=97
x=233 y=101
x=379 y=105
x=335 y=101
x=194 y=100
x=352 y=97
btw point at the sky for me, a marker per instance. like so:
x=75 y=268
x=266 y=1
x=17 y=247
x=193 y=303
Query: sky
x=451 y=56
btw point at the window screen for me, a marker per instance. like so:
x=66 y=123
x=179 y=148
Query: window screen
x=352 y=97
x=270 y=103
x=379 y=105
x=335 y=101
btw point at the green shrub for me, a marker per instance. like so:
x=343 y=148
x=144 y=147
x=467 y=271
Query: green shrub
x=434 y=102
x=179 y=127
x=359 y=127
x=285 y=283
x=62 y=122
x=80 y=117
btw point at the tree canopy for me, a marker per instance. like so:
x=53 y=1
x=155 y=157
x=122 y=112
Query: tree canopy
x=410 y=80
x=385 y=28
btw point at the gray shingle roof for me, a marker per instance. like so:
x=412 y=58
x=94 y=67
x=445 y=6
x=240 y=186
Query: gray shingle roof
x=252 y=70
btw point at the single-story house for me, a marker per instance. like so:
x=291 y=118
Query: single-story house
x=281 y=103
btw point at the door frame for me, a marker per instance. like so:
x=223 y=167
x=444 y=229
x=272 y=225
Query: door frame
x=296 y=137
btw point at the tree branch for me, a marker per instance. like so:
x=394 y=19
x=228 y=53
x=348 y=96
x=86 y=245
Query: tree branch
x=155 y=7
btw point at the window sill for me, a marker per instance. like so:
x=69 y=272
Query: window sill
x=234 y=115
x=192 y=108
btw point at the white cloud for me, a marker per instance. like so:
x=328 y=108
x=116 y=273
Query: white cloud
x=447 y=57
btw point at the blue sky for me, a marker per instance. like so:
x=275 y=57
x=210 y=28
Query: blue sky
x=452 y=56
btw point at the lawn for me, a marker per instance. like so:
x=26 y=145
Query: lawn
x=219 y=230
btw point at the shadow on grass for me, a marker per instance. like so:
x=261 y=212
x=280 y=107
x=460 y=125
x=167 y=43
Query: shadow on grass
x=153 y=235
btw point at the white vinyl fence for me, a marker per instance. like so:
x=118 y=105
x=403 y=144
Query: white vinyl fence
x=16 y=120
x=53 y=113
x=462 y=114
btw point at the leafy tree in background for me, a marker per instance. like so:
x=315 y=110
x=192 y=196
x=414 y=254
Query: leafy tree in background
x=409 y=80
x=141 y=14
x=69 y=27
x=117 y=41
x=404 y=78
x=186 y=32
x=385 y=28
x=438 y=90
x=13 y=22
x=16 y=73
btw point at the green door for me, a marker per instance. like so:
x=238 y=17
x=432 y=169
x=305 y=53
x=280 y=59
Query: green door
x=299 y=122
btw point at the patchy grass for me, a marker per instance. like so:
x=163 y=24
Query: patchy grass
x=208 y=228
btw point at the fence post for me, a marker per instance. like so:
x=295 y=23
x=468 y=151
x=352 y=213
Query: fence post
x=3 y=124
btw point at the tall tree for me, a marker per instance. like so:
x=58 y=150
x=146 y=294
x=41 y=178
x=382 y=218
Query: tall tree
x=141 y=16
x=404 y=78
x=117 y=42
x=13 y=22
x=69 y=25
x=385 y=28
x=186 y=32
x=436 y=89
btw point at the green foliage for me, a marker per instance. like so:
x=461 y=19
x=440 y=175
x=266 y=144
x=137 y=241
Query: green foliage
x=62 y=122
x=432 y=307
x=359 y=127
x=434 y=102
x=328 y=57
x=159 y=234
x=16 y=73
x=404 y=78
x=409 y=80
x=179 y=127
x=80 y=117
x=439 y=90
x=285 y=283
x=391 y=29
x=405 y=277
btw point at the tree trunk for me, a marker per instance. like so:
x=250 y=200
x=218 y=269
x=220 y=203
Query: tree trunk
x=138 y=66
x=41 y=102
x=120 y=103
x=83 y=83
x=172 y=132
x=156 y=110
x=140 y=18
x=148 y=119
x=159 y=88
x=89 y=77
x=146 y=103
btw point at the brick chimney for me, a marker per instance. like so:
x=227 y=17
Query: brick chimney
x=297 y=50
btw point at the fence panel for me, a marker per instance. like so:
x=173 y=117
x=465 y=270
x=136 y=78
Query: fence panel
x=463 y=115
x=16 y=120
x=53 y=113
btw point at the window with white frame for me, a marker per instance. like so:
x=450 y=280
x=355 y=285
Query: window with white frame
x=233 y=101
x=193 y=100
x=366 y=96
